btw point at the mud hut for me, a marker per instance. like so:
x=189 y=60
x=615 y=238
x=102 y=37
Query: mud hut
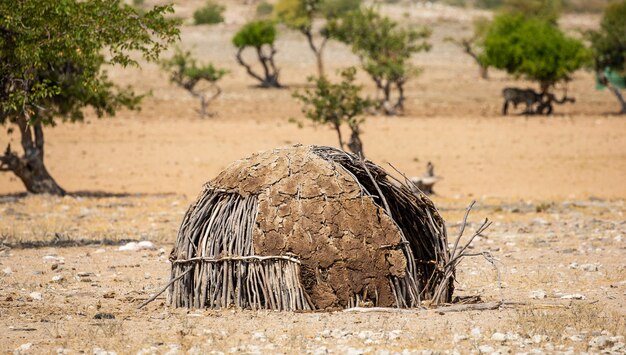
x=309 y=227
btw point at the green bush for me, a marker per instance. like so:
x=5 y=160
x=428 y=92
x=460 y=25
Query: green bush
x=255 y=34
x=209 y=14
x=534 y=49
x=264 y=9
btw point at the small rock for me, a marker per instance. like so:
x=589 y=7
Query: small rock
x=600 y=342
x=36 y=296
x=498 y=337
x=57 y=278
x=110 y=294
x=476 y=333
x=7 y=271
x=576 y=337
x=485 y=349
x=54 y=259
x=260 y=336
x=585 y=267
x=99 y=251
x=104 y=316
x=394 y=334
x=134 y=246
x=98 y=351
x=537 y=294
x=538 y=338
x=573 y=296
x=24 y=347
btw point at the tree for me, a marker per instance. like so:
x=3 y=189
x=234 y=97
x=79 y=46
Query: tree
x=187 y=73
x=385 y=50
x=609 y=49
x=259 y=35
x=474 y=45
x=534 y=49
x=211 y=13
x=51 y=59
x=301 y=14
x=335 y=105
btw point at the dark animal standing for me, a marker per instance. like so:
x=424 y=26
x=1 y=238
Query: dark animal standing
x=530 y=97
x=518 y=96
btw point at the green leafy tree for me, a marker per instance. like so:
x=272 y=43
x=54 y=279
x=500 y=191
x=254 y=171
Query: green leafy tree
x=210 y=14
x=301 y=15
x=474 y=44
x=534 y=49
x=609 y=49
x=385 y=50
x=336 y=104
x=51 y=58
x=187 y=73
x=260 y=36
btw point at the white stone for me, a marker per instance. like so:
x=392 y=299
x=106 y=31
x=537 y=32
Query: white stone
x=537 y=294
x=98 y=351
x=36 y=296
x=57 y=278
x=24 y=347
x=600 y=342
x=476 y=332
x=260 y=336
x=538 y=338
x=394 y=334
x=573 y=296
x=7 y=271
x=498 y=337
x=134 y=246
x=485 y=349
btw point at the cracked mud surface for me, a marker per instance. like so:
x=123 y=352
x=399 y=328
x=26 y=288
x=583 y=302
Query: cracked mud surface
x=312 y=208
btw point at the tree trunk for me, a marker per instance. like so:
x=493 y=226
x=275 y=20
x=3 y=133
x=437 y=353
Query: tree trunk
x=355 y=144
x=484 y=71
x=319 y=52
x=30 y=167
x=338 y=130
x=619 y=96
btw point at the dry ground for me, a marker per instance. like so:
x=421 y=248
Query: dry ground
x=553 y=185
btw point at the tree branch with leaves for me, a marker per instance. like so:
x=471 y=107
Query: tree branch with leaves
x=51 y=69
x=188 y=74
x=385 y=50
x=336 y=104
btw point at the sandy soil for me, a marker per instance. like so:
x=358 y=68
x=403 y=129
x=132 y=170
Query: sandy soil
x=553 y=185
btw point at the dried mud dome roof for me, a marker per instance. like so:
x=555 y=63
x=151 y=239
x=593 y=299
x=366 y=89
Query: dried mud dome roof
x=305 y=227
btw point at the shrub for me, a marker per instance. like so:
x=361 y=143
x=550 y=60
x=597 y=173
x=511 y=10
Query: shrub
x=187 y=73
x=336 y=105
x=264 y=9
x=209 y=14
x=259 y=35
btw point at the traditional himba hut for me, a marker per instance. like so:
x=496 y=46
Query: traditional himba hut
x=309 y=227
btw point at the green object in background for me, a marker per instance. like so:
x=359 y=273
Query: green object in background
x=613 y=77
